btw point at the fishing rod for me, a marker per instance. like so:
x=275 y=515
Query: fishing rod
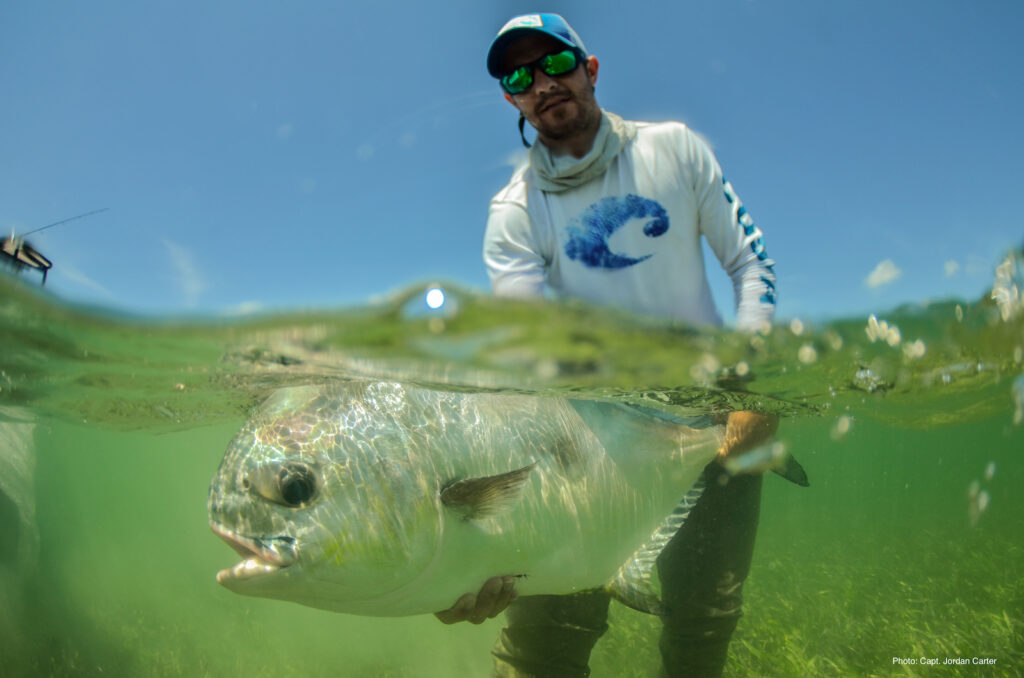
x=20 y=254
x=64 y=221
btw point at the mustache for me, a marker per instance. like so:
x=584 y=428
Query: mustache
x=542 y=103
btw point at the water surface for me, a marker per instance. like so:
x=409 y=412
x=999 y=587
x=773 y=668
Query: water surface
x=908 y=544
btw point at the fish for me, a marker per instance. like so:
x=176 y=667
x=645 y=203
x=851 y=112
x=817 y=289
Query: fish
x=378 y=498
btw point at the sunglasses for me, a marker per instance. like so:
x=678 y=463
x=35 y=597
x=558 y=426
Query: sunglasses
x=560 y=63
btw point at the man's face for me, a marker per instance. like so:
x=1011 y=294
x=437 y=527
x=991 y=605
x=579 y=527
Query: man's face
x=558 y=107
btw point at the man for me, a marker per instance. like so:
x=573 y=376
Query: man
x=657 y=188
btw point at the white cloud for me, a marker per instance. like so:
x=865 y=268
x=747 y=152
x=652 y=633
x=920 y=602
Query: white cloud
x=952 y=268
x=407 y=140
x=190 y=282
x=885 y=273
x=79 y=278
x=516 y=158
x=365 y=152
x=244 y=308
x=285 y=131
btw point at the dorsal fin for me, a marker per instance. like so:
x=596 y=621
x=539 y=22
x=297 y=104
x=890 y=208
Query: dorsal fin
x=486 y=496
x=636 y=584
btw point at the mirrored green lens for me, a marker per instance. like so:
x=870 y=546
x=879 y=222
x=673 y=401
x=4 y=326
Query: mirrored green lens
x=518 y=80
x=559 y=64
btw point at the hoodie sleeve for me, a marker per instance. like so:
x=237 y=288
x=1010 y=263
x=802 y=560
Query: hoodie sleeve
x=513 y=260
x=736 y=241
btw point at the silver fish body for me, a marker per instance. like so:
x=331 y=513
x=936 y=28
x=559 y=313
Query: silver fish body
x=383 y=499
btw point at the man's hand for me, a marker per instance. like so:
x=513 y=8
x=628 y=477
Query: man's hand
x=746 y=430
x=493 y=598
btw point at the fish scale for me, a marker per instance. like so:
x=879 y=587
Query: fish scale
x=395 y=500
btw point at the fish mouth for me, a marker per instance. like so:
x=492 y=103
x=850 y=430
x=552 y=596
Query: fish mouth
x=262 y=556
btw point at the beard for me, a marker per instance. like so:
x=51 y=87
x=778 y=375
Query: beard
x=580 y=113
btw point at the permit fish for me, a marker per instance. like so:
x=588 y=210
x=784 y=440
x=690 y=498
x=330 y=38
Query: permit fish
x=378 y=498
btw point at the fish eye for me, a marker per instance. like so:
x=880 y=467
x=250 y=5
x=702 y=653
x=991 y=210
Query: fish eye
x=296 y=484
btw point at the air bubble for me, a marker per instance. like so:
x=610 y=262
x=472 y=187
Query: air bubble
x=842 y=427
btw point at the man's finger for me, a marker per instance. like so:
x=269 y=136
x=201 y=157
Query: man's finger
x=487 y=600
x=506 y=596
x=476 y=608
x=458 y=612
x=746 y=430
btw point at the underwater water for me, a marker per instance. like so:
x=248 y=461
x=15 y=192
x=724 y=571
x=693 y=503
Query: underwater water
x=906 y=549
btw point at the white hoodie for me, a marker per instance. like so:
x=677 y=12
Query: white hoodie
x=631 y=236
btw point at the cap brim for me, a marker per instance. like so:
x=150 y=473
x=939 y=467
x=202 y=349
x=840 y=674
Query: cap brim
x=496 y=55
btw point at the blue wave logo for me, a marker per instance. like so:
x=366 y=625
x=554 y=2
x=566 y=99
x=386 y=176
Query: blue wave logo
x=588 y=236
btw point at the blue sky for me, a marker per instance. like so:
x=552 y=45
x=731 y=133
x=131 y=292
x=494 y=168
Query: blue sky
x=259 y=155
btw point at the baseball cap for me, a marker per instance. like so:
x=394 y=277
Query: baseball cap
x=547 y=24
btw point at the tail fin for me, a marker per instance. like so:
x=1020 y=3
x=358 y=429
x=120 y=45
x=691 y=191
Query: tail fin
x=792 y=471
x=636 y=584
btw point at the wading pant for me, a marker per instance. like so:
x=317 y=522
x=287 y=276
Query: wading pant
x=702 y=570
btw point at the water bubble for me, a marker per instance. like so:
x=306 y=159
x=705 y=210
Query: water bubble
x=796 y=326
x=547 y=369
x=835 y=341
x=959 y=313
x=977 y=505
x=742 y=369
x=866 y=379
x=757 y=460
x=807 y=354
x=705 y=369
x=990 y=471
x=842 y=427
x=977 y=501
x=880 y=330
x=1006 y=288
x=872 y=329
x=914 y=350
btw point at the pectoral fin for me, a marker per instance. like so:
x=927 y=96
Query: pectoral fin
x=487 y=496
